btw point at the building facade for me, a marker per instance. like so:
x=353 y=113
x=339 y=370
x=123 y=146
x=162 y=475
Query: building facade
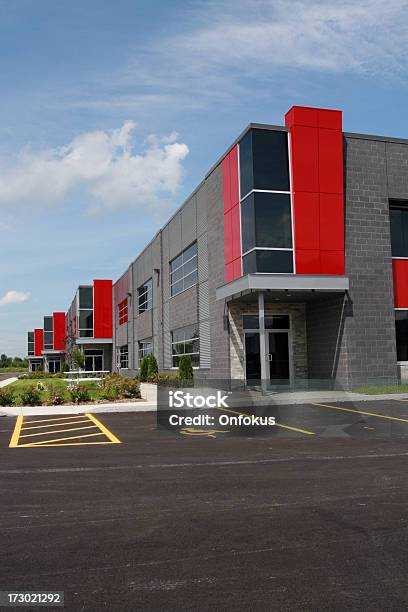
x=287 y=265
x=46 y=345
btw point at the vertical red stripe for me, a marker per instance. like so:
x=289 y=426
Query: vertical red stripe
x=232 y=220
x=38 y=342
x=102 y=308
x=400 y=274
x=59 y=331
x=318 y=189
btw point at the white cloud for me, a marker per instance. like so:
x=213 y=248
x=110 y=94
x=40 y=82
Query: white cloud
x=104 y=165
x=14 y=297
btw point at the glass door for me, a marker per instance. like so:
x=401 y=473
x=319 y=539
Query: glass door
x=252 y=358
x=93 y=360
x=278 y=357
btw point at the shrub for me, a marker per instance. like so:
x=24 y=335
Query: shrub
x=144 y=369
x=6 y=397
x=152 y=370
x=55 y=395
x=78 y=393
x=185 y=369
x=30 y=396
x=78 y=359
x=171 y=380
x=119 y=387
x=39 y=375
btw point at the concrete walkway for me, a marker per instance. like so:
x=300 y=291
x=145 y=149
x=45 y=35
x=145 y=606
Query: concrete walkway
x=77 y=409
x=8 y=381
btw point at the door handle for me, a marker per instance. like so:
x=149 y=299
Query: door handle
x=269 y=356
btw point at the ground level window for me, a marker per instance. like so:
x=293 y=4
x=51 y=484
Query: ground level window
x=145 y=348
x=124 y=356
x=93 y=360
x=185 y=341
x=401 y=333
x=54 y=366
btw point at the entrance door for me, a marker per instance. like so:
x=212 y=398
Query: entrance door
x=252 y=358
x=278 y=357
x=54 y=366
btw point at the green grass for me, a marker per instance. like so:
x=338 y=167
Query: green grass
x=6 y=370
x=59 y=385
x=383 y=389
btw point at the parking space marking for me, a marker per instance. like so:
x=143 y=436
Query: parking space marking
x=374 y=414
x=83 y=422
x=290 y=427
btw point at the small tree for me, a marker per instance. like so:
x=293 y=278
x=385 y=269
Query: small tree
x=153 y=369
x=78 y=359
x=144 y=368
x=185 y=369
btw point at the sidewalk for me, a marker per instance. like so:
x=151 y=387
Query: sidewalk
x=77 y=409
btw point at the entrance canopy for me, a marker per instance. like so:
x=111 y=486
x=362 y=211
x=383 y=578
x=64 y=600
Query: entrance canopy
x=283 y=287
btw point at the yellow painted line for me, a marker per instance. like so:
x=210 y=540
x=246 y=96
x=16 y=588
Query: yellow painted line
x=379 y=416
x=16 y=432
x=54 y=431
x=106 y=431
x=67 y=444
x=304 y=431
x=71 y=416
x=45 y=442
x=56 y=424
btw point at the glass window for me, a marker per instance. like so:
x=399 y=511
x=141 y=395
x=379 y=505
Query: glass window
x=86 y=297
x=48 y=324
x=145 y=293
x=399 y=228
x=183 y=270
x=48 y=340
x=266 y=221
x=86 y=319
x=124 y=356
x=185 y=341
x=145 y=348
x=401 y=332
x=250 y=321
x=274 y=322
x=268 y=262
x=30 y=343
x=264 y=162
x=123 y=312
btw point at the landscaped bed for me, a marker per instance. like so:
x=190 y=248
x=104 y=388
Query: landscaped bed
x=53 y=391
x=381 y=390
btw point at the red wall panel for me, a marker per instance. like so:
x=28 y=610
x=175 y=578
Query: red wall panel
x=400 y=274
x=38 y=342
x=102 y=308
x=59 y=331
x=232 y=220
x=316 y=141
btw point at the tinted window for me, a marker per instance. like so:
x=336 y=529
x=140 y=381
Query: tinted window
x=245 y=164
x=86 y=319
x=273 y=226
x=48 y=340
x=268 y=262
x=401 y=330
x=277 y=322
x=250 y=321
x=399 y=229
x=85 y=297
x=248 y=223
x=48 y=324
x=31 y=336
x=270 y=160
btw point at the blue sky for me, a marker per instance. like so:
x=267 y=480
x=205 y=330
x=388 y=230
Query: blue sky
x=112 y=112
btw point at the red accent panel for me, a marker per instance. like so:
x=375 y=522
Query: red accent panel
x=102 y=308
x=232 y=222
x=307 y=220
x=332 y=262
x=307 y=261
x=400 y=274
x=59 y=331
x=305 y=158
x=316 y=140
x=38 y=342
x=331 y=222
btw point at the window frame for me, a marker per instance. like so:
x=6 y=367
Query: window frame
x=184 y=341
x=123 y=357
x=123 y=311
x=181 y=267
x=143 y=294
x=142 y=351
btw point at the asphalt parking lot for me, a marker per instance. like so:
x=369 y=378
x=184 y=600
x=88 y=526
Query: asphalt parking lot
x=187 y=520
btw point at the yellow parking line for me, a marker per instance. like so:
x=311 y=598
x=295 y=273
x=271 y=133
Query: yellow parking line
x=54 y=431
x=46 y=442
x=304 y=431
x=55 y=424
x=16 y=432
x=379 y=416
x=106 y=431
x=71 y=416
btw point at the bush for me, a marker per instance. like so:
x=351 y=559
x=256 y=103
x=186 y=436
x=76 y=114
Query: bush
x=171 y=380
x=144 y=369
x=119 y=387
x=185 y=369
x=55 y=395
x=78 y=393
x=38 y=375
x=78 y=359
x=6 y=397
x=30 y=396
x=153 y=370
